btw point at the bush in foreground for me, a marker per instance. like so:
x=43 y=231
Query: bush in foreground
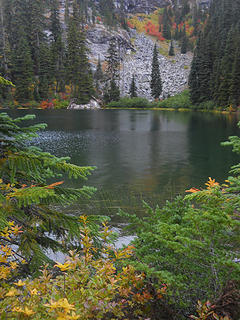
x=89 y=285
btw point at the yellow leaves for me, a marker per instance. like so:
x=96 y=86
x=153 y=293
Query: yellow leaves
x=20 y=283
x=89 y=288
x=34 y=292
x=4 y=272
x=211 y=183
x=6 y=250
x=12 y=292
x=26 y=311
x=63 y=267
x=62 y=303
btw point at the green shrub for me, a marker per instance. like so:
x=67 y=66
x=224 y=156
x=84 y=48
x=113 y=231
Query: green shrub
x=181 y=100
x=192 y=244
x=127 y=102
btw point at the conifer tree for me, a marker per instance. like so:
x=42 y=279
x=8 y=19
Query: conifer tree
x=156 y=82
x=114 y=92
x=184 y=42
x=166 y=32
x=171 y=49
x=57 y=48
x=133 y=88
x=234 y=89
x=79 y=71
x=23 y=69
x=98 y=76
x=113 y=60
x=28 y=198
x=66 y=12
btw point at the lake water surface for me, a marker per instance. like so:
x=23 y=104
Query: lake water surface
x=139 y=154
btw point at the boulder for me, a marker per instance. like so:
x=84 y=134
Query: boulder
x=92 y=105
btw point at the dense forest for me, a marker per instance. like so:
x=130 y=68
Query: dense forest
x=216 y=64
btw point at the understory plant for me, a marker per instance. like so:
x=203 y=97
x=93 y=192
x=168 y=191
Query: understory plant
x=191 y=243
x=91 y=284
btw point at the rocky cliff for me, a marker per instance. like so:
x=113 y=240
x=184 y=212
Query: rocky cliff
x=135 y=52
x=136 y=58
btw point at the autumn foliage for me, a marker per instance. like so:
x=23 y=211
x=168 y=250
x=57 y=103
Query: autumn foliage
x=92 y=284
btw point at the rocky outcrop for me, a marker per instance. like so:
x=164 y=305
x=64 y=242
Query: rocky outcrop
x=98 y=38
x=141 y=6
x=93 y=104
x=174 y=71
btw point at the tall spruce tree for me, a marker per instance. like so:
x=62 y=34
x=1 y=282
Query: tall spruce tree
x=80 y=76
x=133 y=88
x=234 y=89
x=113 y=60
x=184 y=42
x=156 y=82
x=98 y=76
x=166 y=32
x=57 y=48
x=171 y=49
x=23 y=69
x=112 y=91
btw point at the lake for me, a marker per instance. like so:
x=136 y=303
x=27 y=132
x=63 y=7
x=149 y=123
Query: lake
x=140 y=155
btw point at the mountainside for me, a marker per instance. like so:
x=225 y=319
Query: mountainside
x=53 y=47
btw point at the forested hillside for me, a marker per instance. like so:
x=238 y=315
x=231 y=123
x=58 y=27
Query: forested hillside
x=44 y=51
x=215 y=73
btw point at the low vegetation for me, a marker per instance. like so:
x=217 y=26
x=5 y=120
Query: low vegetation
x=184 y=253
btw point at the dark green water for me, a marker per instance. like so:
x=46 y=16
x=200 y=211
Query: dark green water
x=139 y=154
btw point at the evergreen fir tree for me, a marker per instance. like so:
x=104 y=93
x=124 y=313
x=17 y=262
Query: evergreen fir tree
x=156 y=82
x=171 y=49
x=113 y=60
x=23 y=69
x=114 y=92
x=98 y=76
x=99 y=73
x=166 y=32
x=133 y=88
x=234 y=89
x=184 y=42
x=66 y=12
x=57 y=48
x=30 y=200
x=79 y=72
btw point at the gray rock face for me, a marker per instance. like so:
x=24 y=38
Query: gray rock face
x=139 y=6
x=93 y=104
x=174 y=71
x=98 y=38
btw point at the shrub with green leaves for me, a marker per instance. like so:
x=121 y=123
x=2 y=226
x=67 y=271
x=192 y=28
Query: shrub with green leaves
x=191 y=243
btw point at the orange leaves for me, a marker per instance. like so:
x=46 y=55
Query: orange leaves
x=211 y=183
x=153 y=30
x=51 y=186
x=192 y=190
x=46 y=104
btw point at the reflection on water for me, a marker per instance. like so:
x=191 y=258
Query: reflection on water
x=139 y=154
